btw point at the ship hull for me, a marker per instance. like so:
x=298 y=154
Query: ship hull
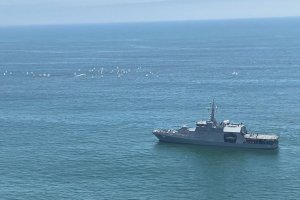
x=182 y=140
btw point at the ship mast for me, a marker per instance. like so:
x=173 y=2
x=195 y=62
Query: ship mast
x=212 y=114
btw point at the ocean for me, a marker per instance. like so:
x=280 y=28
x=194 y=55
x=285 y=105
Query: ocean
x=78 y=104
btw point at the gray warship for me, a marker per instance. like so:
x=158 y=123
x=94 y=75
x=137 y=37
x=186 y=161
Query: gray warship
x=210 y=132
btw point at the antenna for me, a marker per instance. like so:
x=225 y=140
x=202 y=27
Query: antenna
x=213 y=110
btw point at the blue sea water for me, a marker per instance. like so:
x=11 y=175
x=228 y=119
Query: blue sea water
x=78 y=104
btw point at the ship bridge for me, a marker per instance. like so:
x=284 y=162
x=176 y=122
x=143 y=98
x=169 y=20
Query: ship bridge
x=235 y=128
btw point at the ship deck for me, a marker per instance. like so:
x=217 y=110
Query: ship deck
x=261 y=136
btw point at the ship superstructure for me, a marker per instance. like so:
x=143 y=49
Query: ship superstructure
x=210 y=132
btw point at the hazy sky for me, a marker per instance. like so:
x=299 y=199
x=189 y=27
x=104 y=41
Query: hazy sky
x=24 y=12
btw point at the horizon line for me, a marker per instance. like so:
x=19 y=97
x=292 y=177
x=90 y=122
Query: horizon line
x=148 y=22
